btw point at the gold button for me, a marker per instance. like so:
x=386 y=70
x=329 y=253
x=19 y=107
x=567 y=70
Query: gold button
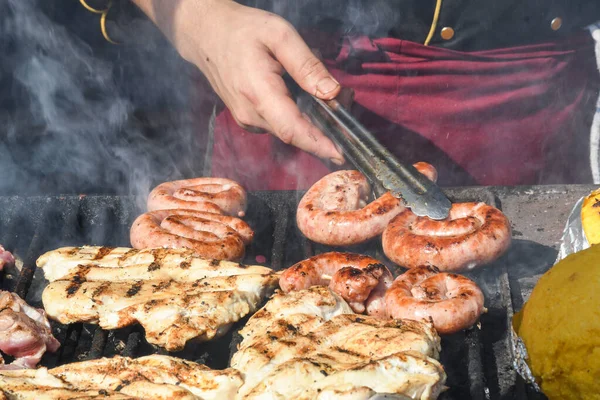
x=447 y=33
x=556 y=24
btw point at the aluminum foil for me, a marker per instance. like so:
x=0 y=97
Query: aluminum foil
x=573 y=240
x=519 y=360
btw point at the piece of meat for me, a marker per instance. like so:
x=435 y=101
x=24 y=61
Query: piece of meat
x=172 y=313
x=473 y=234
x=25 y=332
x=207 y=234
x=335 y=210
x=174 y=294
x=6 y=258
x=453 y=302
x=214 y=195
x=408 y=375
x=315 y=327
x=359 y=279
x=94 y=263
x=150 y=377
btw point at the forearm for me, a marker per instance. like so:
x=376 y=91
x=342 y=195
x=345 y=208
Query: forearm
x=175 y=17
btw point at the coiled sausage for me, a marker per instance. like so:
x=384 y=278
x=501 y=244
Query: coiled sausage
x=209 y=235
x=216 y=195
x=453 y=302
x=473 y=234
x=335 y=212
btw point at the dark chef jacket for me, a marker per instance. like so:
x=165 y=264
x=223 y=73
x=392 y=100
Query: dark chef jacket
x=465 y=25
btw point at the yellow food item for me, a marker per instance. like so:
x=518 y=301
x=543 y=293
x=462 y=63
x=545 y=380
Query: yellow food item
x=560 y=326
x=590 y=217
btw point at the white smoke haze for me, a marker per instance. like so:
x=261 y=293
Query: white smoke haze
x=70 y=118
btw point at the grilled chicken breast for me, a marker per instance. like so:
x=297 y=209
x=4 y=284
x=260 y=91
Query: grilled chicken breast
x=407 y=373
x=151 y=377
x=122 y=263
x=175 y=295
x=308 y=345
x=170 y=312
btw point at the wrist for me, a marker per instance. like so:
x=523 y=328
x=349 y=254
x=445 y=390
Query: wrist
x=185 y=22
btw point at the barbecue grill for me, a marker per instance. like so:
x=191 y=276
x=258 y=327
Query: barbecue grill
x=479 y=362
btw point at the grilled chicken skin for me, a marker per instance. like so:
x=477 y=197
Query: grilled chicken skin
x=123 y=263
x=410 y=374
x=171 y=313
x=175 y=295
x=151 y=377
x=307 y=345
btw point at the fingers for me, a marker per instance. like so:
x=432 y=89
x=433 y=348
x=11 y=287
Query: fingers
x=288 y=124
x=300 y=62
x=248 y=119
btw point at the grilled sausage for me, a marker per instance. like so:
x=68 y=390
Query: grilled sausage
x=335 y=212
x=473 y=234
x=216 y=195
x=453 y=302
x=358 y=279
x=209 y=235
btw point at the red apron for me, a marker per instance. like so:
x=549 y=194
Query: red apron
x=513 y=116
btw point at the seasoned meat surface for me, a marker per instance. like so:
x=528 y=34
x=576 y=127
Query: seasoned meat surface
x=151 y=377
x=174 y=295
x=170 y=312
x=124 y=263
x=305 y=344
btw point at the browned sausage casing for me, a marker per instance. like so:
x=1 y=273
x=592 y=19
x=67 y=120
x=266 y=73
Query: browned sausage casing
x=360 y=280
x=473 y=234
x=209 y=235
x=453 y=302
x=216 y=195
x=335 y=212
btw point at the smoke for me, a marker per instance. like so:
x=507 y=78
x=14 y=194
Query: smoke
x=348 y=16
x=90 y=117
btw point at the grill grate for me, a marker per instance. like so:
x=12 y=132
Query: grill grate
x=478 y=362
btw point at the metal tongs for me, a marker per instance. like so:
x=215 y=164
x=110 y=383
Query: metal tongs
x=382 y=169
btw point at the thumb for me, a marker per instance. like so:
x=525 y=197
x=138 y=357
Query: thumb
x=302 y=65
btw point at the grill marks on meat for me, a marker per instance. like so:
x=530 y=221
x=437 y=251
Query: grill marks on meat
x=307 y=343
x=174 y=304
x=408 y=373
x=151 y=377
x=148 y=264
x=171 y=313
x=6 y=258
x=25 y=332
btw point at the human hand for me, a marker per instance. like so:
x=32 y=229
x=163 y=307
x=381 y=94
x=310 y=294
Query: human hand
x=243 y=52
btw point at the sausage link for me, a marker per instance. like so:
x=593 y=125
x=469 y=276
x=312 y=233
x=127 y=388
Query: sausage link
x=453 y=302
x=209 y=235
x=216 y=195
x=335 y=210
x=358 y=279
x=474 y=234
